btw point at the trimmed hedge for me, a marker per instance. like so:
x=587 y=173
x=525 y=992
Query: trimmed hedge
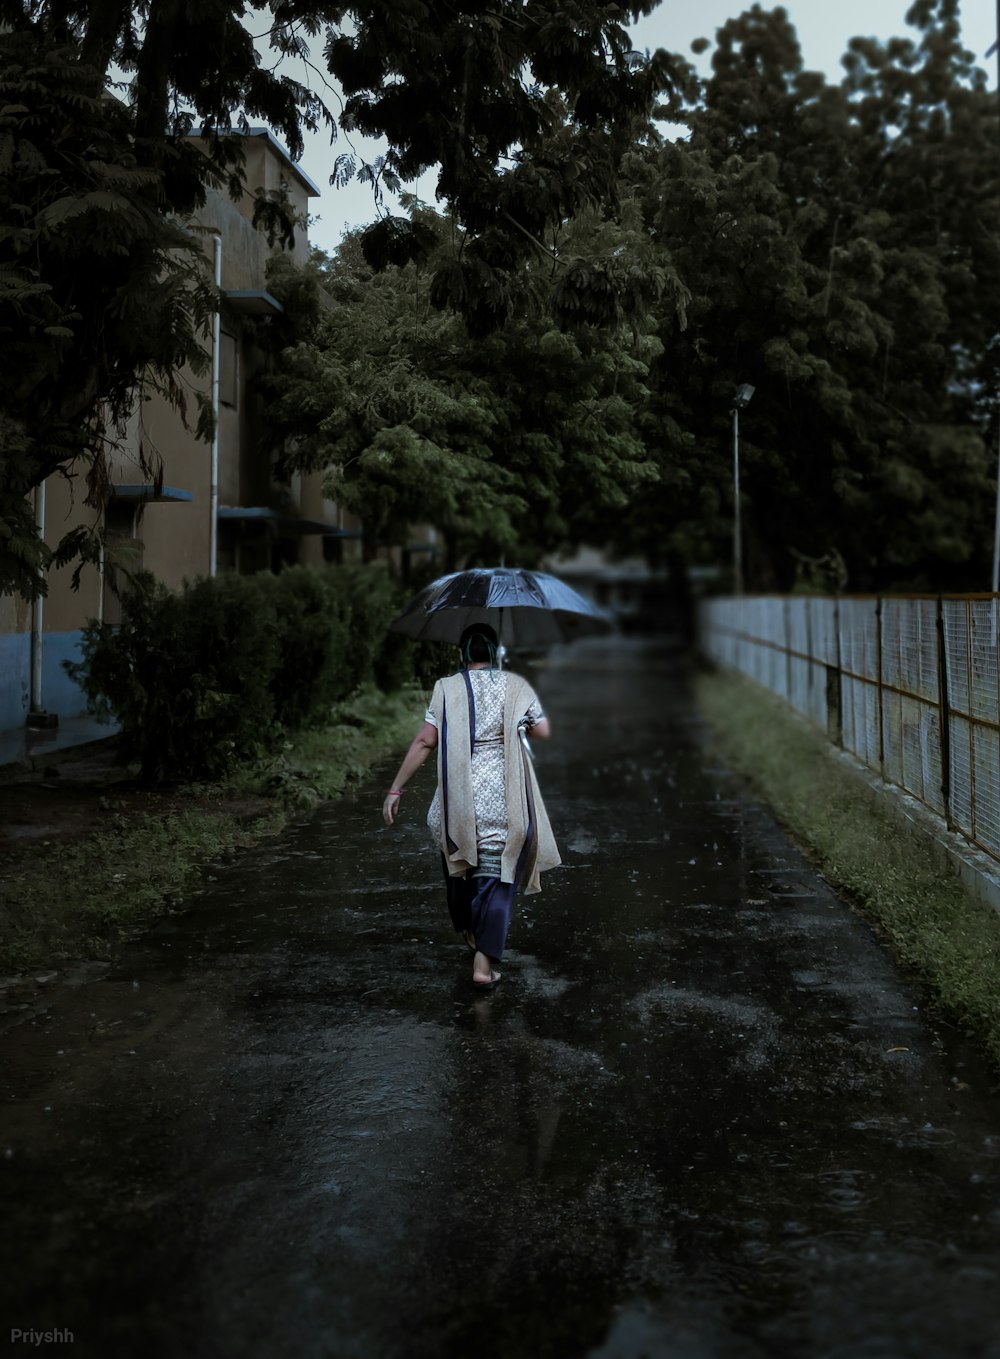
x=216 y=673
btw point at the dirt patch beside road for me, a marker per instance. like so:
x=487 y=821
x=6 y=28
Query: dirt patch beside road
x=89 y=856
x=76 y=792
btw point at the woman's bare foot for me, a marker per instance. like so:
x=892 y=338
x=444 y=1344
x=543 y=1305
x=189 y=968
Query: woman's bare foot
x=483 y=972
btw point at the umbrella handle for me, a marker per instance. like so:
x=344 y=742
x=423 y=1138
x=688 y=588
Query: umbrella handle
x=522 y=731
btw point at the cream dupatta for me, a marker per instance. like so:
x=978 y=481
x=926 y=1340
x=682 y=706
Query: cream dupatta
x=530 y=848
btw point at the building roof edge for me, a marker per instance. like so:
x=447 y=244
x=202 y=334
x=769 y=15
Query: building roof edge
x=312 y=188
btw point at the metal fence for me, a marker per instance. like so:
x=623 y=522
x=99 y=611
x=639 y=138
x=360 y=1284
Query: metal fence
x=907 y=684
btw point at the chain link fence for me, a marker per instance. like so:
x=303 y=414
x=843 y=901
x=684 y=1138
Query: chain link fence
x=908 y=684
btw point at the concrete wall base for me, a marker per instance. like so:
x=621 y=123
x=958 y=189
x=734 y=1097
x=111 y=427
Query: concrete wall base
x=61 y=697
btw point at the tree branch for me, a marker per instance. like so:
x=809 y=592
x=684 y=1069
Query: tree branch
x=549 y=254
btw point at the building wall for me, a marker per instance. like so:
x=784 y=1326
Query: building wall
x=175 y=534
x=266 y=172
x=65 y=609
x=15 y=660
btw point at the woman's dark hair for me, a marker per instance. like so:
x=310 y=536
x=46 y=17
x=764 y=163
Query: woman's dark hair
x=479 y=643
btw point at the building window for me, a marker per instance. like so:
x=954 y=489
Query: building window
x=228 y=369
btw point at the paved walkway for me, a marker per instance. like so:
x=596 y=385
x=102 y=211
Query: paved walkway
x=702 y=1117
x=23 y=746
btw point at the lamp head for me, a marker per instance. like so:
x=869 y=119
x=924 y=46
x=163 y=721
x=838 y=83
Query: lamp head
x=742 y=398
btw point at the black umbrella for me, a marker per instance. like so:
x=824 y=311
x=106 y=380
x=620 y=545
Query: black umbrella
x=525 y=608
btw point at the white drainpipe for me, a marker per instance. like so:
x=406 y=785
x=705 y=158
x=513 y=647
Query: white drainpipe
x=101 y=568
x=213 y=490
x=37 y=614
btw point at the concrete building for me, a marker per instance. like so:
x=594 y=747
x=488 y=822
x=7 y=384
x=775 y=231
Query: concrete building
x=217 y=510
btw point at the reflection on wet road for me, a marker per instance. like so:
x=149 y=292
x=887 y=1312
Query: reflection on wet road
x=702 y=1117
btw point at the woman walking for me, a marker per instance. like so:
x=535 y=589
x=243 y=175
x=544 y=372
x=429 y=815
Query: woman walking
x=487 y=817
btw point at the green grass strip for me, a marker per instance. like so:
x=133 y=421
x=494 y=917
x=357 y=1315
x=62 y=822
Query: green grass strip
x=891 y=871
x=79 y=897
x=320 y=762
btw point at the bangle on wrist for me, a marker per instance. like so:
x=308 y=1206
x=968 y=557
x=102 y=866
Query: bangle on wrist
x=395 y=792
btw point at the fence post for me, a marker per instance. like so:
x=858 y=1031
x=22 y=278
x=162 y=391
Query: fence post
x=878 y=686
x=834 y=686
x=970 y=620
x=786 y=622
x=944 y=718
x=810 y=663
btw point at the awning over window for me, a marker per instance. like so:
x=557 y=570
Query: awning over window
x=282 y=524
x=146 y=490
x=253 y=302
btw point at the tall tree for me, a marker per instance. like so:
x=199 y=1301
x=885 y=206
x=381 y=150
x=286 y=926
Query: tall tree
x=839 y=246
x=525 y=106
x=517 y=440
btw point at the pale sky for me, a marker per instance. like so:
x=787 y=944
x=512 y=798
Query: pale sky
x=824 y=27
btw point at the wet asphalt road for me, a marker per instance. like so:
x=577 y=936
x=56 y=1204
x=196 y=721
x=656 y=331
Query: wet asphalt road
x=702 y=1117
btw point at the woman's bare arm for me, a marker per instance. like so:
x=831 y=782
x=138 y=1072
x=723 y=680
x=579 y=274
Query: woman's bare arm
x=424 y=742
x=540 y=730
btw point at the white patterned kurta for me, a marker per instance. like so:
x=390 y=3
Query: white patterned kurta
x=489 y=692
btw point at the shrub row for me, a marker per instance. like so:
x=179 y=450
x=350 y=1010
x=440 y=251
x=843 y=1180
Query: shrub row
x=216 y=673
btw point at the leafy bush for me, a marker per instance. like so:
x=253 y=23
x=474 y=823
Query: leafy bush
x=212 y=675
x=187 y=675
x=402 y=662
x=313 y=669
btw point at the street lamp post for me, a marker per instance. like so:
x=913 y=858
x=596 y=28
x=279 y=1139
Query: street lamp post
x=740 y=402
x=995 y=580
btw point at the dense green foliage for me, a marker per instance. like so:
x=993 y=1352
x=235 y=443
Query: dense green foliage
x=832 y=244
x=510 y=443
x=525 y=107
x=217 y=673
x=553 y=359
x=840 y=245
x=103 y=295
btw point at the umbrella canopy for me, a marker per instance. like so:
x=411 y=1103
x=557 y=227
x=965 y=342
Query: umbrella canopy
x=525 y=608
